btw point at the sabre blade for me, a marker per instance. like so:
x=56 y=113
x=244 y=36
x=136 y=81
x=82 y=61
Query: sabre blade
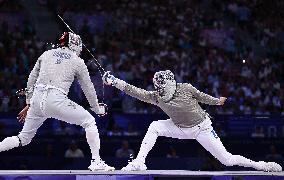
x=101 y=69
x=96 y=62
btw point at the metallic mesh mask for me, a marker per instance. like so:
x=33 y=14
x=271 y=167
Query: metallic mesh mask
x=165 y=84
x=72 y=41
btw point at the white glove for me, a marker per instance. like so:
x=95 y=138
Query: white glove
x=222 y=100
x=108 y=79
x=101 y=110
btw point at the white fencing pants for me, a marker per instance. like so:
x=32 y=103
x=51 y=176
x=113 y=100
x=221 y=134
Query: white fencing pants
x=47 y=103
x=202 y=132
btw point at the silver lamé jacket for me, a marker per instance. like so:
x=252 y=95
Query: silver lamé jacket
x=183 y=108
x=58 y=68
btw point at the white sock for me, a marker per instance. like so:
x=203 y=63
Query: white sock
x=93 y=140
x=147 y=144
x=9 y=143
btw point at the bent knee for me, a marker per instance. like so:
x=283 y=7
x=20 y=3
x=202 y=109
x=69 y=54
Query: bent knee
x=155 y=127
x=227 y=160
x=89 y=122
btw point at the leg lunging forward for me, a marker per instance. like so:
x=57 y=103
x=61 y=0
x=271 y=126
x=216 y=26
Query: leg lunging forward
x=212 y=143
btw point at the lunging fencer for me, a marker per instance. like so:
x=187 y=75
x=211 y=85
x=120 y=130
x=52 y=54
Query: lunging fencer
x=187 y=120
x=46 y=97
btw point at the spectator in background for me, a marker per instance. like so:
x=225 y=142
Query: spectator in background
x=190 y=43
x=124 y=151
x=272 y=131
x=73 y=151
x=2 y=129
x=211 y=164
x=282 y=131
x=130 y=131
x=172 y=153
x=63 y=128
x=49 y=151
x=23 y=165
x=273 y=154
x=258 y=132
x=115 y=131
x=220 y=130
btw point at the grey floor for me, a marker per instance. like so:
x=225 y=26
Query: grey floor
x=148 y=172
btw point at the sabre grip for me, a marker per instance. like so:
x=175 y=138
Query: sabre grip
x=108 y=79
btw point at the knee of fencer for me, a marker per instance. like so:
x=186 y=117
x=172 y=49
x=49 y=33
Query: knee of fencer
x=89 y=123
x=228 y=160
x=154 y=127
x=24 y=139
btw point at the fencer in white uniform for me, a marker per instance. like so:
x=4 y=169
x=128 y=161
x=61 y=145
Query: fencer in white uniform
x=46 y=97
x=187 y=120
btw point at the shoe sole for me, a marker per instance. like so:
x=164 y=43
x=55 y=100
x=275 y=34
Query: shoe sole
x=102 y=169
x=134 y=170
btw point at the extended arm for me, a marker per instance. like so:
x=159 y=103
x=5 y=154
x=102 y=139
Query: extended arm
x=205 y=98
x=138 y=93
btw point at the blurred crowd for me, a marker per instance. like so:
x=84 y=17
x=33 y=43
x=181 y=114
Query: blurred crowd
x=231 y=48
x=19 y=50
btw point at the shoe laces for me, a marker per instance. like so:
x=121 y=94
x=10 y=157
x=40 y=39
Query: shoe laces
x=134 y=163
x=98 y=161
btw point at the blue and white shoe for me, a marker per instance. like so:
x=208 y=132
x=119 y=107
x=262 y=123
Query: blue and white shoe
x=100 y=165
x=135 y=165
x=269 y=166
